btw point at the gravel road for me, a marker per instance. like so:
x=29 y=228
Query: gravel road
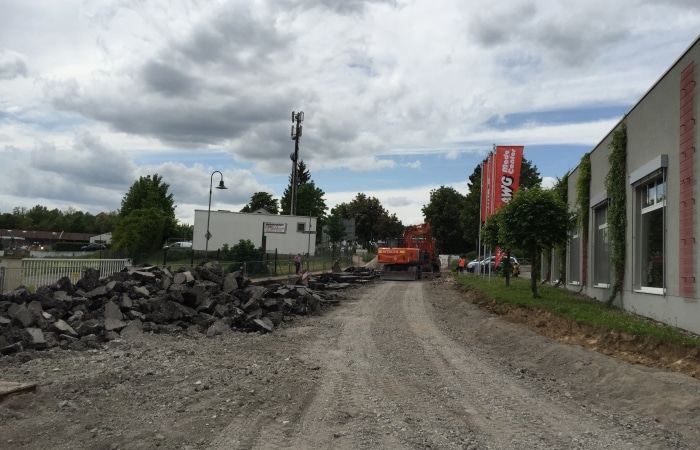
x=397 y=365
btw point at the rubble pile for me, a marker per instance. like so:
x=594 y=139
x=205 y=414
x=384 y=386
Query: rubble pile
x=95 y=312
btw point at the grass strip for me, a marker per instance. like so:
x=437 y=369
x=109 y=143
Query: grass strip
x=576 y=307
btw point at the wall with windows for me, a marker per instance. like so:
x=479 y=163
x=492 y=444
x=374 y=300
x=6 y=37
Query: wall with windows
x=289 y=235
x=662 y=222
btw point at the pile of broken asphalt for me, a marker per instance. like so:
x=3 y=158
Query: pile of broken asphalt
x=95 y=313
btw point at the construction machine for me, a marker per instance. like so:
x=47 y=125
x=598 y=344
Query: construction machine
x=411 y=256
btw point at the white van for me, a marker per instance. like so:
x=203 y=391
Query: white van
x=175 y=245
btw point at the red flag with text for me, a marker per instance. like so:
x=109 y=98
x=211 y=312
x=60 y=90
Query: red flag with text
x=485 y=170
x=507 y=174
x=507 y=161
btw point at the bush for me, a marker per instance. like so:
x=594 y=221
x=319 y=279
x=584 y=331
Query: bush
x=62 y=246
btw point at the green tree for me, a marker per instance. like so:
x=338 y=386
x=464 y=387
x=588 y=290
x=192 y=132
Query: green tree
x=335 y=229
x=470 y=216
x=150 y=203
x=372 y=221
x=492 y=237
x=262 y=200
x=244 y=252
x=561 y=191
x=140 y=230
x=183 y=231
x=442 y=213
x=303 y=177
x=534 y=220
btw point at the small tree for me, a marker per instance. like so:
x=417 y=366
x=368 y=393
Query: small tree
x=262 y=200
x=491 y=236
x=244 y=252
x=145 y=197
x=335 y=228
x=534 y=220
x=139 y=230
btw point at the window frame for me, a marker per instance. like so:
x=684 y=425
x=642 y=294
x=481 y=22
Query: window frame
x=601 y=277
x=644 y=206
x=574 y=270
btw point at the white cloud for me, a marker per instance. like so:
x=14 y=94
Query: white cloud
x=96 y=94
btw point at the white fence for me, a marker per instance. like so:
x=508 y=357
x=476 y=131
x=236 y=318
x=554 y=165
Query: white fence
x=34 y=272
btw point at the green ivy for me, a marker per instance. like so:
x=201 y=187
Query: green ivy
x=615 y=184
x=583 y=204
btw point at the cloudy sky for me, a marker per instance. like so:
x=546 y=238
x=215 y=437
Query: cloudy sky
x=399 y=96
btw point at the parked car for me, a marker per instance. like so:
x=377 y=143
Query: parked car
x=487 y=264
x=92 y=247
x=472 y=265
x=178 y=245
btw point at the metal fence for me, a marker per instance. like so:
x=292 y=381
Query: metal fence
x=271 y=265
x=35 y=272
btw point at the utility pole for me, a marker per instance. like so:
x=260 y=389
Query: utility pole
x=296 y=135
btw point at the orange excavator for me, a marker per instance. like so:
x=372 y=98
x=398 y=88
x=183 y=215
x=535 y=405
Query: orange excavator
x=410 y=257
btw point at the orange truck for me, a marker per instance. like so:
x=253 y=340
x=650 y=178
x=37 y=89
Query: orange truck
x=411 y=256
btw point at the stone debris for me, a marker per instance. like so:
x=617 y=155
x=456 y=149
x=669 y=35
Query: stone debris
x=97 y=313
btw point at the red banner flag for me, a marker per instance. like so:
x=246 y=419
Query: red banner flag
x=484 y=189
x=508 y=160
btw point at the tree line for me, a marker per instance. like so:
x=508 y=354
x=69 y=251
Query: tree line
x=146 y=219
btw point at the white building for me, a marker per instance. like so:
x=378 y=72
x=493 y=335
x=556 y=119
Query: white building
x=662 y=222
x=284 y=234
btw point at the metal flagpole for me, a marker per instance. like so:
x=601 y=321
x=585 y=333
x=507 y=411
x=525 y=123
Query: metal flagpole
x=481 y=206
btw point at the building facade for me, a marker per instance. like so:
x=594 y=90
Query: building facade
x=283 y=234
x=660 y=276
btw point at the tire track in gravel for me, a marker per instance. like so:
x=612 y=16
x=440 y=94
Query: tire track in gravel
x=386 y=376
x=501 y=410
x=346 y=412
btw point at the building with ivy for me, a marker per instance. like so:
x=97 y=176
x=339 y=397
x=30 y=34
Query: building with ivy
x=634 y=196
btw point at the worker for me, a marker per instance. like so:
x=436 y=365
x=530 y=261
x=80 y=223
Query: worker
x=461 y=264
x=297 y=262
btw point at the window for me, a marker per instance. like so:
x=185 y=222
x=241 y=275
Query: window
x=601 y=249
x=574 y=272
x=301 y=227
x=651 y=197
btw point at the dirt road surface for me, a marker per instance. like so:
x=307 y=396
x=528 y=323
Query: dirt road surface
x=397 y=365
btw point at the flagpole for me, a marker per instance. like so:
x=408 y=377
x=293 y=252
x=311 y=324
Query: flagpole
x=481 y=206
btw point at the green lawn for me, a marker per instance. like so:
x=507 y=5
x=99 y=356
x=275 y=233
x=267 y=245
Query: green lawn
x=575 y=307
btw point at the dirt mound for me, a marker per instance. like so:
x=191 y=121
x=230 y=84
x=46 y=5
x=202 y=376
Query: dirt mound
x=624 y=346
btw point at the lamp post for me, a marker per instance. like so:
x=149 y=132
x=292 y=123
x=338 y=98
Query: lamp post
x=220 y=186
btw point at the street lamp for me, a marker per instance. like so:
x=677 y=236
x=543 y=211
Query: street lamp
x=220 y=186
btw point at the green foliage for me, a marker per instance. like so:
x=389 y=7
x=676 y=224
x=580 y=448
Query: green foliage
x=63 y=246
x=335 y=228
x=310 y=199
x=470 y=215
x=244 y=252
x=372 y=221
x=583 y=211
x=262 y=200
x=583 y=192
x=303 y=177
x=40 y=218
x=490 y=230
x=617 y=193
x=578 y=309
x=183 y=232
x=141 y=230
x=148 y=192
x=147 y=217
x=534 y=220
x=442 y=213
x=561 y=191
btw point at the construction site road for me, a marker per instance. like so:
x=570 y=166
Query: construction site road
x=396 y=365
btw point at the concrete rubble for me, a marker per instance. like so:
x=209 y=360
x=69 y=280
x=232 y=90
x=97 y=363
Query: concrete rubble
x=96 y=313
